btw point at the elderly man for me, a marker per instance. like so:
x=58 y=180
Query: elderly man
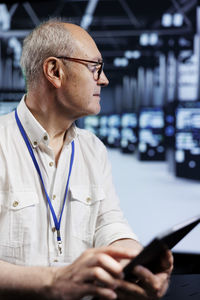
x=62 y=233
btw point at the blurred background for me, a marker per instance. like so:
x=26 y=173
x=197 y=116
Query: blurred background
x=150 y=116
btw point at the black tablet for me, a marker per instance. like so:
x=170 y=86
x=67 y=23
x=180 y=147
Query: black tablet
x=149 y=256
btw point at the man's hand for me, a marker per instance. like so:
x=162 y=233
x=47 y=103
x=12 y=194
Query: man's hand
x=95 y=272
x=149 y=285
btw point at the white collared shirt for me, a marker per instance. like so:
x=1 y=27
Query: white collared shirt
x=91 y=216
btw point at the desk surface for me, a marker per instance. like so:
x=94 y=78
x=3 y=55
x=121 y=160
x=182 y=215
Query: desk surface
x=184 y=287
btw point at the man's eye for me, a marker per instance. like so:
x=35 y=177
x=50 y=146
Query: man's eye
x=94 y=67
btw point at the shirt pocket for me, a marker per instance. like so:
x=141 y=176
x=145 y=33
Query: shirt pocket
x=17 y=217
x=84 y=206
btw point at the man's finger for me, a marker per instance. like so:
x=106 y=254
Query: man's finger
x=99 y=277
x=128 y=290
x=154 y=284
x=119 y=251
x=167 y=262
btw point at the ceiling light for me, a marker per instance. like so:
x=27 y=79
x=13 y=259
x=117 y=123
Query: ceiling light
x=128 y=54
x=124 y=62
x=86 y=21
x=132 y=54
x=136 y=54
x=120 y=62
x=178 y=20
x=153 y=39
x=167 y=20
x=144 y=39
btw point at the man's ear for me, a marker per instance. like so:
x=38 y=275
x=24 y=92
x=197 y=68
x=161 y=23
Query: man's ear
x=53 y=71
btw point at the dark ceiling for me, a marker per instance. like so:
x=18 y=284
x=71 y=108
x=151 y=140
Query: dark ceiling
x=116 y=25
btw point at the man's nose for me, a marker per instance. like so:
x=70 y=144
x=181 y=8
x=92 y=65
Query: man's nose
x=103 y=80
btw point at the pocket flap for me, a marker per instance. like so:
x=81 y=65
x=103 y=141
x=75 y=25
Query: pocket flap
x=87 y=195
x=18 y=200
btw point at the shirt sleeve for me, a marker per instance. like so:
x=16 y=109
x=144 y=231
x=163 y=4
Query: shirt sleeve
x=111 y=224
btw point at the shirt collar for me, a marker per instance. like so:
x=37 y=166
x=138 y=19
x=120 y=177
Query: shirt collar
x=35 y=132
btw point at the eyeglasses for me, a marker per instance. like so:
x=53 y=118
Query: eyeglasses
x=96 y=67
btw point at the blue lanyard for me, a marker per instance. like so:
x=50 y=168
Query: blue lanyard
x=57 y=222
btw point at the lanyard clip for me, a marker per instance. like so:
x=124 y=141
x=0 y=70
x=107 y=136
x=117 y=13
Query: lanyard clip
x=60 y=247
x=59 y=242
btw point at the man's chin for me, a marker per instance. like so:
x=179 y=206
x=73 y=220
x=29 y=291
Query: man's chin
x=95 y=111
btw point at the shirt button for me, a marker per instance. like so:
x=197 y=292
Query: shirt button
x=35 y=143
x=15 y=203
x=54 y=197
x=55 y=260
x=88 y=200
x=45 y=137
x=51 y=164
x=53 y=229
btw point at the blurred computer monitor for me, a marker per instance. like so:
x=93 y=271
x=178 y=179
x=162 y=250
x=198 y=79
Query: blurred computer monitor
x=113 y=133
x=151 y=134
x=169 y=131
x=103 y=128
x=187 y=141
x=129 y=137
x=91 y=123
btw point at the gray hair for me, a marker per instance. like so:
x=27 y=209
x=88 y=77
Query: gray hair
x=50 y=38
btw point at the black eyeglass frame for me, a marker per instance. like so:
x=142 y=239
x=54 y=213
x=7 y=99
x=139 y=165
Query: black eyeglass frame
x=79 y=60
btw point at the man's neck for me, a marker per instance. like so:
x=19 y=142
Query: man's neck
x=55 y=125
